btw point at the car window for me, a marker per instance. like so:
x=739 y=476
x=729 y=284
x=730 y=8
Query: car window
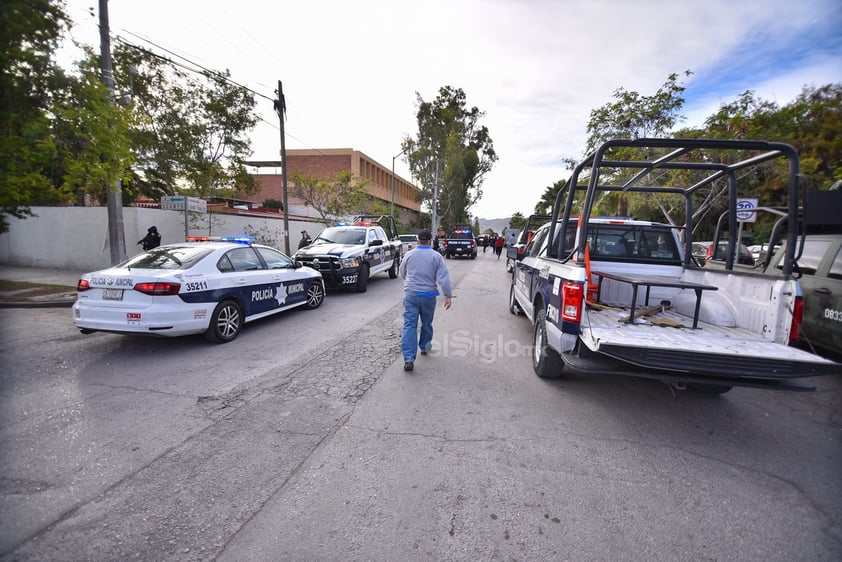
x=814 y=251
x=333 y=235
x=372 y=235
x=244 y=259
x=537 y=242
x=274 y=259
x=168 y=257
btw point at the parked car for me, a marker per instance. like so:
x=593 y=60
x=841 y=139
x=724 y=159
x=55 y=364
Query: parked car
x=408 y=242
x=744 y=256
x=212 y=287
x=759 y=251
x=820 y=268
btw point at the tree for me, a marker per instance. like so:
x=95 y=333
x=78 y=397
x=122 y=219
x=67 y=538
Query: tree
x=91 y=136
x=332 y=198
x=518 y=221
x=29 y=33
x=188 y=128
x=547 y=202
x=451 y=150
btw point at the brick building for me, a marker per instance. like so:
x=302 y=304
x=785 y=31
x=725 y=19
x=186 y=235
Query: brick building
x=327 y=162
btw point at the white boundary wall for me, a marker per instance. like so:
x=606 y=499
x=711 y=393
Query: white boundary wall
x=77 y=237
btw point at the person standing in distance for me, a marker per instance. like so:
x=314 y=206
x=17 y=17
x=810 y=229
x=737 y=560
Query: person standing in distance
x=423 y=271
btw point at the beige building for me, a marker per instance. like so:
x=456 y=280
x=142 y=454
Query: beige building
x=327 y=162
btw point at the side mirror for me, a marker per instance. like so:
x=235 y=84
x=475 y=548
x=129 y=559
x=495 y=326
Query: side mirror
x=297 y=264
x=376 y=242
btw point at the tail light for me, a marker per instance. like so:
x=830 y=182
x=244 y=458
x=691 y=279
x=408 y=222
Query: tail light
x=571 y=301
x=158 y=289
x=797 y=316
x=82 y=285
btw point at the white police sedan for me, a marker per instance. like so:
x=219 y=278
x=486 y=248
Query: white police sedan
x=211 y=287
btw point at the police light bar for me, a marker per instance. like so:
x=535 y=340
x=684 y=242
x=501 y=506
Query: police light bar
x=235 y=239
x=363 y=223
x=238 y=239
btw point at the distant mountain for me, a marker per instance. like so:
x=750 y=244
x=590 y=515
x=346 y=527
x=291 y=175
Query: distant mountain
x=497 y=225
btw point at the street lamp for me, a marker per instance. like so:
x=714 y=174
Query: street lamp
x=392 y=207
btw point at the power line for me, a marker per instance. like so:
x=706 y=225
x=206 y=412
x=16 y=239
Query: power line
x=206 y=70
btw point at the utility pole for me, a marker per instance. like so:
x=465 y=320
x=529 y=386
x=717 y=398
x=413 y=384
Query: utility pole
x=434 y=211
x=113 y=195
x=281 y=110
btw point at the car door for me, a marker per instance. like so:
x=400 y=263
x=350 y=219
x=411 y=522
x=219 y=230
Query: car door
x=526 y=272
x=821 y=284
x=251 y=280
x=290 y=284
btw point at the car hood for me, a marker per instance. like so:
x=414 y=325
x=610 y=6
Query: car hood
x=340 y=250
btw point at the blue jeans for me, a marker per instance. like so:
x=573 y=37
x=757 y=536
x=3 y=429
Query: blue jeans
x=414 y=306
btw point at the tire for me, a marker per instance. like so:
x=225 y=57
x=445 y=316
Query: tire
x=315 y=295
x=225 y=323
x=711 y=388
x=396 y=263
x=514 y=307
x=447 y=255
x=545 y=361
x=362 y=279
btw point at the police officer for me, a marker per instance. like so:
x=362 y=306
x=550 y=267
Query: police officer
x=151 y=240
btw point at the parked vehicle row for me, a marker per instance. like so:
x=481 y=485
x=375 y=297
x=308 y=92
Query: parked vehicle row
x=215 y=286
x=209 y=287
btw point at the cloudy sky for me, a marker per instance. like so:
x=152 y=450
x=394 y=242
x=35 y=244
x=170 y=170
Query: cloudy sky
x=352 y=69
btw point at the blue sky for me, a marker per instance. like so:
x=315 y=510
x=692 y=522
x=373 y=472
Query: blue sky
x=537 y=68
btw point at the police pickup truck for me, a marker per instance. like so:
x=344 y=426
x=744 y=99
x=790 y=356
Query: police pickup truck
x=616 y=296
x=460 y=242
x=348 y=254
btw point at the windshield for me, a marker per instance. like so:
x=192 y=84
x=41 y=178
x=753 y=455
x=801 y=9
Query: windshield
x=168 y=257
x=341 y=236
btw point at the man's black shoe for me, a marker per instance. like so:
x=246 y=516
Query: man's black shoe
x=423 y=352
x=408 y=366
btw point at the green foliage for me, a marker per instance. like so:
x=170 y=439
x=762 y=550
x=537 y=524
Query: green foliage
x=91 y=135
x=273 y=204
x=187 y=129
x=518 y=221
x=333 y=197
x=29 y=33
x=451 y=149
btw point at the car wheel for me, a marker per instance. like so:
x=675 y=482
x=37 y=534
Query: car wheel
x=315 y=295
x=225 y=323
x=447 y=255
x=362 y=279
x=514 y=307
x=545 y=360
x=396 y=263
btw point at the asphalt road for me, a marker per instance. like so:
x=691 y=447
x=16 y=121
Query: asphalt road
x=305 y=439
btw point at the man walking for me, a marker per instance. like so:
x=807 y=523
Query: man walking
x=423 y=271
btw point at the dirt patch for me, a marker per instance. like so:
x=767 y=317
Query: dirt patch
x=12 y=291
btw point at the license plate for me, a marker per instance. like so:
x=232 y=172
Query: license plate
x=112 y=294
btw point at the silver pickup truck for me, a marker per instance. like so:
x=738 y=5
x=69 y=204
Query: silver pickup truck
x=617 y=296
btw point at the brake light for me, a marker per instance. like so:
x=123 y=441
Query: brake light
x=82 y=285
x=158 y=289
x=571 y=301
x=473 y=244
x=797 y=316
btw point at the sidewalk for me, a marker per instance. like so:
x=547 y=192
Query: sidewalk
x=39 y=296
